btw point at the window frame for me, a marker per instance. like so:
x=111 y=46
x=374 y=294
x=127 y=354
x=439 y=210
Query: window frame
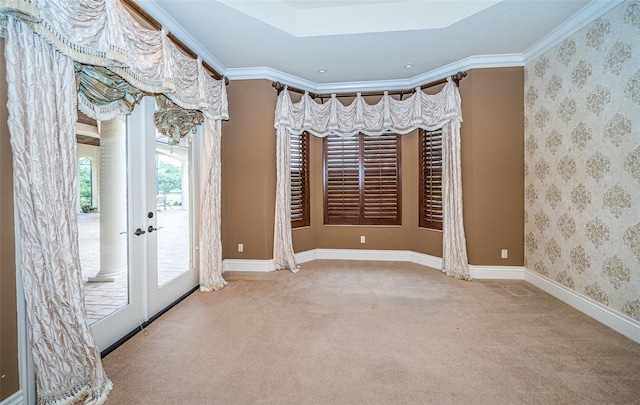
x=305 y=217
x=429 y=217
x=363 y=218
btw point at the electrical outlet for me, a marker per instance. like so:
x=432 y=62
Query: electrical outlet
x=505 y=253
x=240 y=247
x=363 y=239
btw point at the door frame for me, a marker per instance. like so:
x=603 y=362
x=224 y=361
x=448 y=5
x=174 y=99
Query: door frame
x=146 y=298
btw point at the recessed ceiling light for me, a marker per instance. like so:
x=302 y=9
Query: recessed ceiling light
x=322 y=70
x=408 y=66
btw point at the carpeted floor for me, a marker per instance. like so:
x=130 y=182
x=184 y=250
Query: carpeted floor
x=351 y=332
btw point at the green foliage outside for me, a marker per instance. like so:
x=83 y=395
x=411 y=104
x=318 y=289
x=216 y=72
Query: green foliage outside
x=86 y=197
x=169 y=178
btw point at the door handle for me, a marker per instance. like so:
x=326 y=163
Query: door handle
x=139 y=232
x=151 y=228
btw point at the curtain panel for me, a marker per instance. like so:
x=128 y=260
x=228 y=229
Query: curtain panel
x=42 y=123
x=421 y=110
x=210 y=238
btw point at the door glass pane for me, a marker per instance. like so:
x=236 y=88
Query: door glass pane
x=103 y=218
x=173 y=208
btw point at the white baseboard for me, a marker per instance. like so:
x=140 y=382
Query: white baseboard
x=15 y=399
x=306 y=256
x=262 y=266
x=616 y=321
x=496 y=272
x=478 y=272
x=370 y=255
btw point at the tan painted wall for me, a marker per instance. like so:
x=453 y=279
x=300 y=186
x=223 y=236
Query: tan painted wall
x=493 y=165
x=249 y=171
x=8 y=310
x=492 y=160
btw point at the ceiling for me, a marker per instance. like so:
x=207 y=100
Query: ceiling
x=366 y=44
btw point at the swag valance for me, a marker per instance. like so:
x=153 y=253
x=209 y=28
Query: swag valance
x=103 y=33
x=421 y=110
x=430 y=112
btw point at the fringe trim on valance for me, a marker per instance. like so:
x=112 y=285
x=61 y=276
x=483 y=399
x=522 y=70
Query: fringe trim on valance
x=180 y=78
x=104 y=112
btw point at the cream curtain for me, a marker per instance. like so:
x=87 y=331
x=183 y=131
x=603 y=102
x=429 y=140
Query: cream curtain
x=126 y=61
x=283 y=255
x=210 y=239
x=42 y=121
x=454 y=244
x=430 y=112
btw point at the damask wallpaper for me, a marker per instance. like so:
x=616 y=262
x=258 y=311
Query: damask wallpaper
x=582 y=161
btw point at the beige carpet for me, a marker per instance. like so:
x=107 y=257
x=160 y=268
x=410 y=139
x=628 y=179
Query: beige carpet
x=350 y=332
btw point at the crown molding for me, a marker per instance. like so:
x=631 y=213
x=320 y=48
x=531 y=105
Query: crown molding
x=472 y=62
x=268 y=73
x=578 y=21
x=581 y=19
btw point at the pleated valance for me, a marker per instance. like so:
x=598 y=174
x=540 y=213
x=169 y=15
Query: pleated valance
x=103 y=33
x=421 y=110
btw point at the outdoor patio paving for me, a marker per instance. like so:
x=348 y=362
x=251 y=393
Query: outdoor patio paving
x=103 y=298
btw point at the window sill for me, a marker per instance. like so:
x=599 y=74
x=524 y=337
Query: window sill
x=430 y=229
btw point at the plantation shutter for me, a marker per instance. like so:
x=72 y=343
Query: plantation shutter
x=381 y=191
x=362 y=180
x=342 y=180
x=299 y=180
x=431 y=179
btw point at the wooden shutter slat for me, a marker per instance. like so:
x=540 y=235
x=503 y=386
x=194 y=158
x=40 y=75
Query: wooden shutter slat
x=381 y=179
x=342 y=194
x=362 y=180
x=299 y=180
x=431 y=179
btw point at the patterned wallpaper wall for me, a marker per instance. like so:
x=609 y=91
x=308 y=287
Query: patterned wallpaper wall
x=582 y=161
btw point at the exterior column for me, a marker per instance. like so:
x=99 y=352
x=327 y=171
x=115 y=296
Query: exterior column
x=113 y=201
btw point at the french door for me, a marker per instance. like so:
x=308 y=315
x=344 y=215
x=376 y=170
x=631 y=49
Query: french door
x=155 y=236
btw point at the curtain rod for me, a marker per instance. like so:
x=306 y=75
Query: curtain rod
x=456 y=79
x=134 y=7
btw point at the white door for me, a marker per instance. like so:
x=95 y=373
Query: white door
x=160 y=229
x=170 y=216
